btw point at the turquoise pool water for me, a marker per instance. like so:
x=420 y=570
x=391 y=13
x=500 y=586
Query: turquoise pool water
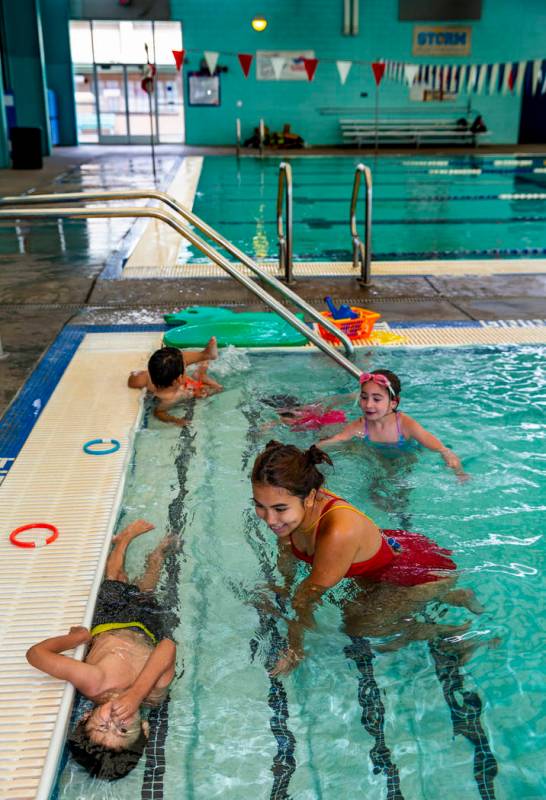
x=231 y=732
x=423 y=207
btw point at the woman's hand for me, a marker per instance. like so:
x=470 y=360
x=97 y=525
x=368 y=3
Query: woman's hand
x=286 y=662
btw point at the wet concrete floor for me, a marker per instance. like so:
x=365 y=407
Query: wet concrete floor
x=50 y=271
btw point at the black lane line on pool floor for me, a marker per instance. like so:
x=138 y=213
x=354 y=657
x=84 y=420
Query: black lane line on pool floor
x=465 y=708
x=284 y=761
x=373 y=714
x=155 y=765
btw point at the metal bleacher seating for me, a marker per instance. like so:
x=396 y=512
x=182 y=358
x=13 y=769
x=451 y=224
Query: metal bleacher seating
x=413 y=131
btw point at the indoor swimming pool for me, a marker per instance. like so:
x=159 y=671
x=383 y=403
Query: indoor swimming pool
x=350 y=721
x=450 y=207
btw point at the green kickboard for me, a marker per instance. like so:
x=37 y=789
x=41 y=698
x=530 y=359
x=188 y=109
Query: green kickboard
x=198 y=314
x=270 y=332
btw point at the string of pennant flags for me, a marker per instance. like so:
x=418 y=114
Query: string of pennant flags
x=471 y=78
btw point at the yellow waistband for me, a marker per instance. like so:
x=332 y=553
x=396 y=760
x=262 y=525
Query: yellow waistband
x=112 y=626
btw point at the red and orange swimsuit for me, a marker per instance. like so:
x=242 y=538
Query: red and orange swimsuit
x=419 y=559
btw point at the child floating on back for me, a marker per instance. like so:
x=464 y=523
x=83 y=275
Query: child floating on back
x=382 y=424
x=130 y=662
x=166 y=378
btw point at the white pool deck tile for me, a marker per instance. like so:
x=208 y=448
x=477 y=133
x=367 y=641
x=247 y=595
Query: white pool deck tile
x=165 y=268
x=160 y=244
x=44 y=591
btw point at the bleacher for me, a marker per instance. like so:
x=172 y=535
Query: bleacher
x=409 y=130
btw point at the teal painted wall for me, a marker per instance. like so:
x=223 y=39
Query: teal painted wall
x=26 y=65
x=60 y=77
x=507 y=31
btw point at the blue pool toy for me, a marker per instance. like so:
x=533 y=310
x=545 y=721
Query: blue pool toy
x=343 y=312
x=196 y=324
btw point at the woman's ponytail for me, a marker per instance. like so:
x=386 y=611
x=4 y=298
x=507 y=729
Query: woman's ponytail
x=290 y=468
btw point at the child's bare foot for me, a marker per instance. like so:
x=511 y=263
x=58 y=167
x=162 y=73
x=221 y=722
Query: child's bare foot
x=211 y=350
x=134 y=529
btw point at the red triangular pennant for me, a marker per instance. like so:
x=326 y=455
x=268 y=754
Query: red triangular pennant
x=310 y=65
x=511 y=78
x=179 y=58
x=245 y=60
x=378 y=71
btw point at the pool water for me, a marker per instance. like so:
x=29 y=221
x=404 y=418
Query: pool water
x=423 y=207
x=348 y=723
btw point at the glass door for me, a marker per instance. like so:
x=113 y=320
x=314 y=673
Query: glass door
x=112 y=103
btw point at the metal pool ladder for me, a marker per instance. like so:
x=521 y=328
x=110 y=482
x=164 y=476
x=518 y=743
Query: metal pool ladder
x=188 y=233
x=362 y=252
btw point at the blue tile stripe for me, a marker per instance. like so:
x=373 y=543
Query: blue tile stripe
x=465 y=708
x=373 y=714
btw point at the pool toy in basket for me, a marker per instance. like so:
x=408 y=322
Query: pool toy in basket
x=355 y=322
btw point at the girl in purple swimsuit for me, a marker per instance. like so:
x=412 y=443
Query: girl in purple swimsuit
x=382 y=425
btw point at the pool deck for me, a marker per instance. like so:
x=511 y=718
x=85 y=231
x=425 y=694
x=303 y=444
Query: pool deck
x=103 y=335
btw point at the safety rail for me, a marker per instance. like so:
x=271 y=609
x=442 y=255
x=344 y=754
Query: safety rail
x=284 y=193
x=206 y=249
x=154 y=194
x=362 y=252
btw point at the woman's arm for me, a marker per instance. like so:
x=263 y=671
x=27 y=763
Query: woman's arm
x=412 y=429
x=334 y=554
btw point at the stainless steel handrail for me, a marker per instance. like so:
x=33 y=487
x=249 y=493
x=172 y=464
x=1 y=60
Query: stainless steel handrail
x=284 y=192
x=154 y=194
x=210 y=252
x=362 y=252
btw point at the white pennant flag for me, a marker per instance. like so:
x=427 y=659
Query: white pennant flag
x=480 y=79
x=520 y=74
x=462 y=77
x=453 y=81
x=506 y=78
x=277 y=62
x=537 y=66
x=493 y=79
x=211 y=57
x=410 y=71
x=472 y=75
x=343 y=67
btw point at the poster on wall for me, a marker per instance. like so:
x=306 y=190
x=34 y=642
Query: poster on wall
x=203 y=90
x=441 y=40
x=282 y=65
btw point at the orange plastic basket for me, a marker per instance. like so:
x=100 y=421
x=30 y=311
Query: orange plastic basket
x=360 y=327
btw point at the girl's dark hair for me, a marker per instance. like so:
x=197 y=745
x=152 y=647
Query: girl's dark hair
x=290 y=468
x=165 y=366
x=103 y=762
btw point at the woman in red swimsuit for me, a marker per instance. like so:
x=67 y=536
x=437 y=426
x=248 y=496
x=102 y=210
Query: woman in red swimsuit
x=396 y=572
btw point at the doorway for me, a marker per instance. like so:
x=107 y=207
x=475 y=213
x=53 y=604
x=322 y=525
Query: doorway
x=111 y=105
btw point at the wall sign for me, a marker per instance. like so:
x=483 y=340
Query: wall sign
x=441 y=40
x=203 y=90
x=289 y=63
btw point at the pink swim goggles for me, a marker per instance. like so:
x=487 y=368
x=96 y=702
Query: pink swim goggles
x=378 y=378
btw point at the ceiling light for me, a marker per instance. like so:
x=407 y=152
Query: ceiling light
x=259 y=23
